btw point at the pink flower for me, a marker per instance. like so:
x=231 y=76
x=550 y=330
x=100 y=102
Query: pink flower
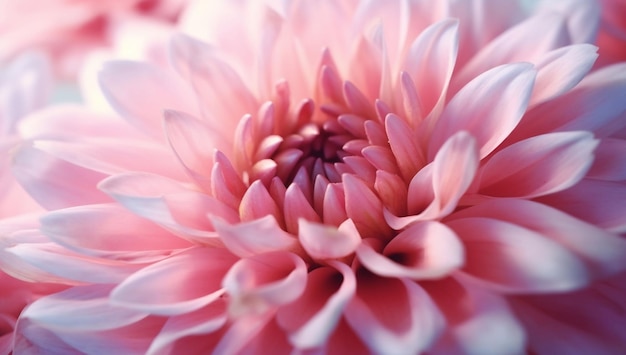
x=69 y=30
x=337 y=176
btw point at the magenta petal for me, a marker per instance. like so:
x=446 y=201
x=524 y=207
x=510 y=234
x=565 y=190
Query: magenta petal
x=489 y=107
x=263 y=281
x=325 y=242
x=189 y=288
x=509 y=258
x=393 y=315
x=539 y=165
x=312 y=318
x=255 y=237
x=426 y=250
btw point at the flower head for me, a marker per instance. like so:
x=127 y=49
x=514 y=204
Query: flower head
x=385 y=177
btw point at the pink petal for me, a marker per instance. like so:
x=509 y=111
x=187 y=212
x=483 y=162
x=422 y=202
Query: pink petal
x=364 y=208
x=560 y=70
x=392 y=191
x=194 y=144
x=517 y=44
x=200 y=322
x=132 y=88
x=81 y=308
x=601 y=251
x=55 y=183
x=510 y=258
x=312 y=318
x=537 y=166
x=256 y=237
x=432 y=72
x=426 y=250
x=263 y=281
x=108 y=229
x=189 y=288
x=258 y=203
x=403 y=142
x=610 y=161
x=393 y=315
x=325 y=242
x=581 y=16
x=72 y=266
x=297 y=208
x=597 y=202
x=489 y=107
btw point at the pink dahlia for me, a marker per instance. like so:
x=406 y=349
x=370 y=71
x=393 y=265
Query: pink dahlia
x=392 y=177
x=69 y=30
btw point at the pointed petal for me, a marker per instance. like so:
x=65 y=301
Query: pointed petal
x=193 y=279
x=538 y=166
x=256 y=237
x=364 y=208
x=510 y=258
x=326 y=242
x=489 y=107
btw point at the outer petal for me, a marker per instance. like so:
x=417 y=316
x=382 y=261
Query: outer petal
x=610 y=161
x=510 y=258
x=393 y=315
x=133 y=88
x=489 y=107
x=603 y=252
x=193 y=277
x=538 y=166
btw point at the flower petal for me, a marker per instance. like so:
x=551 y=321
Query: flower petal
x=265 y=280
x=312 y=318
x=425 y=250
x=193 y=277
x=538 y=166
x=393 y=315
x=327 y=242
x=489 y=107
x=364 y=208
x=510 y=258
x=255 y=237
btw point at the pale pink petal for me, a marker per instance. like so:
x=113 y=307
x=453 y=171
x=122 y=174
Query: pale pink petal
x=81 y=308
x=603 y=257
x=103 y=230
x=257 y=203
x=255 y=237
x=407 y=321
x=538 y=166
x=194 y=143
x=509 y=258
x=489 y=107
x=581 y=16
x=517 y=44
x=189 y=288
x=297 y=208
x=327 y=242
x=560 y=70
x=409 y=156
x=263 y=281
x=424 y=250
x=312 y=318
x=431 y=73
x=133 y=87
x=55 y=183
